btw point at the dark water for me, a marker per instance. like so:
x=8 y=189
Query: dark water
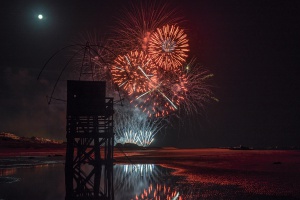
x=47 y=182
x=140 y=181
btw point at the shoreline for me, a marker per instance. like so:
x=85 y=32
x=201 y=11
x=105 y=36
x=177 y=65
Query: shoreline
x=207 y=157
x=242 y=168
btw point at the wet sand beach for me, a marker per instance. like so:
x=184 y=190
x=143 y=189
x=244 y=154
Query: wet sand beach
x=230 y=174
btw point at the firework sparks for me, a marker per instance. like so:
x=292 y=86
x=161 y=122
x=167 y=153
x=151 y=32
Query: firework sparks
x=198 y=91
x=134 y=72
x=164 y=98
x=188 y=89
x=149 y=72
x=136 y=129
x=168 y=47
x=134 y=29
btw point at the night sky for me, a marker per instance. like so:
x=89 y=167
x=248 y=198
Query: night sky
x=249 y=46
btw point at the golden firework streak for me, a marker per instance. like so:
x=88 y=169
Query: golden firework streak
x=155 y=88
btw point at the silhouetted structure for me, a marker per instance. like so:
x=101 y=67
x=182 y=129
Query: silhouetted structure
x=90 y=139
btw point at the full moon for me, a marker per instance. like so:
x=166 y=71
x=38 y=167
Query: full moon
x=40 y=16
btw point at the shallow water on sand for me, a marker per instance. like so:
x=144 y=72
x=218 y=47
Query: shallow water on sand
x=231 y=176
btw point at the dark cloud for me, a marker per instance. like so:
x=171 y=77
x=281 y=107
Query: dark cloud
x=250 y=46
x=24 y=108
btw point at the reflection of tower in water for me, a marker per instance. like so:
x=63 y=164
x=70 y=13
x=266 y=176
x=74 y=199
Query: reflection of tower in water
x=90 y=139
x=89 y=156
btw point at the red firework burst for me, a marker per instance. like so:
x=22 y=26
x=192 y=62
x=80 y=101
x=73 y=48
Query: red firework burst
x=168 y=47
x=164 y=97
x=139 y=20
x=134 y=72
